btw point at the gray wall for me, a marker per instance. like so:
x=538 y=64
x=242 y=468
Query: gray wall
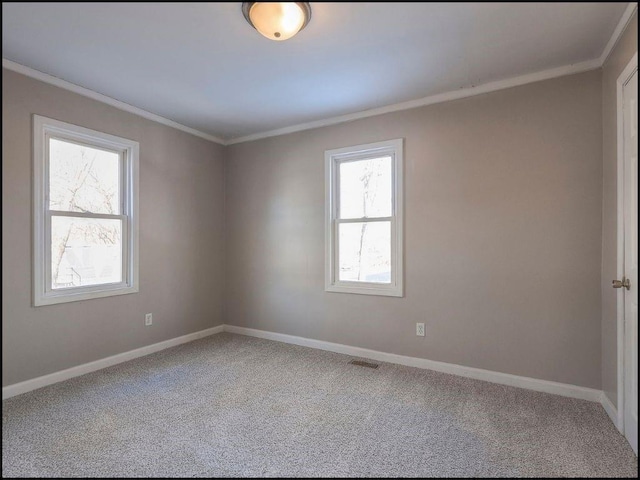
x=503 y=235
x=503 y=205
x=181 y=239
x=615 y=64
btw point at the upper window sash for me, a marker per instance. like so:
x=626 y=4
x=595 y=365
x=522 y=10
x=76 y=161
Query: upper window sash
x=96 y=144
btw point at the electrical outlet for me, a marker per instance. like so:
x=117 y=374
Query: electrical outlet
x=420 y=329
x=148 y=319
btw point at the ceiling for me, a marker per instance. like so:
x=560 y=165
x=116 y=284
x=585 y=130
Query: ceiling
x=203 y=66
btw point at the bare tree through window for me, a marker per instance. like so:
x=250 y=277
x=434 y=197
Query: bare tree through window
x=365 y=196
x=84 y=251
x=370 y=179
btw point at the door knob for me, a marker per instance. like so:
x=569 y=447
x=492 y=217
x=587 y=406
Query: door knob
x=621 y=283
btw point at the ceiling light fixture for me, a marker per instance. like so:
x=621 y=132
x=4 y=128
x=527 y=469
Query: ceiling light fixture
x=277 y=20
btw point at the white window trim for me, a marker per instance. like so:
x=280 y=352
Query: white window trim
x=43 y=128
x=393 y=148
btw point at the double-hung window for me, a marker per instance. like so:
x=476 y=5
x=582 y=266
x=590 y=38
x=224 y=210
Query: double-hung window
x=85 y=213
x=364 y=219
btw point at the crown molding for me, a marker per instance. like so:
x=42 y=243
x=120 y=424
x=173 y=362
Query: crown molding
x=72 y=87
x=430 y=100
x=619 y=30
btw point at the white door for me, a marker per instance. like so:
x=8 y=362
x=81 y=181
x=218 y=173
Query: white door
x=630 y=125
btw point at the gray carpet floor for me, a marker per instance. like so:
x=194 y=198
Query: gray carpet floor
x=230 y=405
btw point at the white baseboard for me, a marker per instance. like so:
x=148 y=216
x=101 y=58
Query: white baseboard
x=28 y=385
x=538 y=385
x=611 y=410
x=546 y=386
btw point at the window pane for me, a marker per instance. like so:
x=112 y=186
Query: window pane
x=83 y=178
x=365 y=252
x=85 y=251
x=365 y=188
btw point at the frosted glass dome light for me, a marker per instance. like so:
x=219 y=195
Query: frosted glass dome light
x=277 y=20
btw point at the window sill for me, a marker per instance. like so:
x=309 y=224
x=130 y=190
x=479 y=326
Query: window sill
x=369 y=289
x=65 y=297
